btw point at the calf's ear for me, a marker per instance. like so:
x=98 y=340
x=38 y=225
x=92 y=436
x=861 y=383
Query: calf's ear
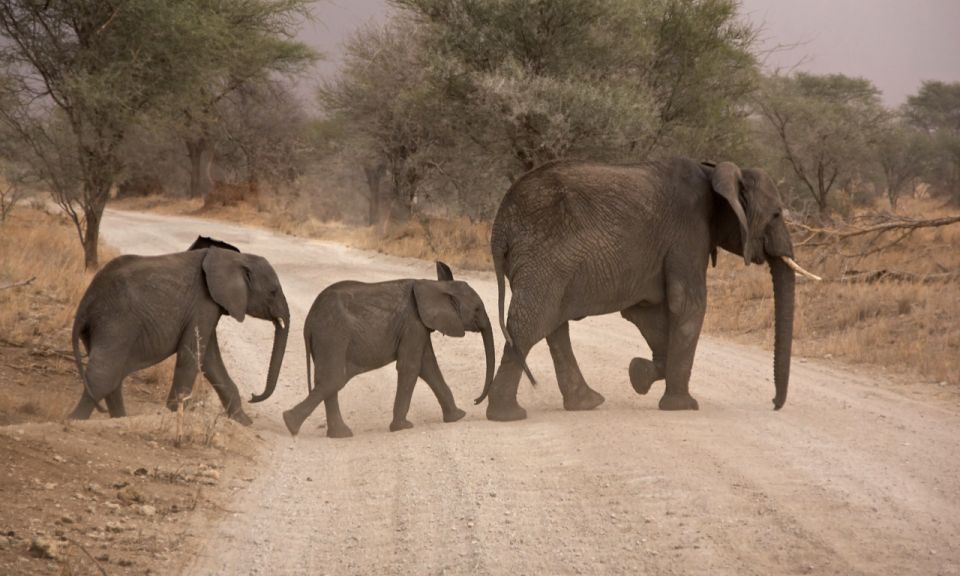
x=226 y=276
x=438 y=308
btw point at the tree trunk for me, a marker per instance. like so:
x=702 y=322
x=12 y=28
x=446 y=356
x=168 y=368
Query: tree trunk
x=374 y=174
x=201 y=157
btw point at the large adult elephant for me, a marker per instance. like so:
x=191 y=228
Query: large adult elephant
x=138 y=310
x=579 y=239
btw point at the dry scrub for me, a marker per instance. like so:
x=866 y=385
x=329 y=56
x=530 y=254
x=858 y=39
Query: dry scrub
x=910 y=327
x=460 y=242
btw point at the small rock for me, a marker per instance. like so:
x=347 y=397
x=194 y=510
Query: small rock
x=103 y=557
x=148 y=510
x=140 y=472
x=66 y=519
x=50 y=485
x=42 y=547
x=59 y=458
x=121 y=484
x=130 y=495
x=309 y=479
x=115 y=527
x=210 y=473
x=124 y=562
x=4 y=542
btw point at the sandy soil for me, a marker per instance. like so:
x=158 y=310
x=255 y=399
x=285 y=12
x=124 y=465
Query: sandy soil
x=857 y=475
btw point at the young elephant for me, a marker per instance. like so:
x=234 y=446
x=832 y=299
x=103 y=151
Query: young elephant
x=354 y=327
x=139 y=310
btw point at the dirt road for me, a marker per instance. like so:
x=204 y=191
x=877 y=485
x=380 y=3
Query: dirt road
x=851 y=477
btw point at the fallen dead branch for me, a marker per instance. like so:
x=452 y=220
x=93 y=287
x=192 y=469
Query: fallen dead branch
x=21 y=283
x=871 y=276
x=895 y=224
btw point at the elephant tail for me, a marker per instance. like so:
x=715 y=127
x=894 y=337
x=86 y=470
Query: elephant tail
x=499 y=252
x=79 y=326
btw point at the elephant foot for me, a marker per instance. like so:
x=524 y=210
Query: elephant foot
x=583 y=398
x=240 y=417
x=293 y=422
x=453 y=415
x=397 y=426
x=341 y=431
x=643 y=373
x=82 y=411
x=678 y=402
x=505 y=413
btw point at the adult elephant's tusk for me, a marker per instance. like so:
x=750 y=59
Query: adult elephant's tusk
x=796 y=268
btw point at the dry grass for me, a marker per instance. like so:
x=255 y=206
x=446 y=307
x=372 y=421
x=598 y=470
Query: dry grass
x=35 y=244
x=907 y=327
x=460 y=242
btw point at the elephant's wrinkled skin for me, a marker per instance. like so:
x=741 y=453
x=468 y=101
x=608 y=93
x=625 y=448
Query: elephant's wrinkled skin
x=579 y=239
x=139 y=310
x=354 y=327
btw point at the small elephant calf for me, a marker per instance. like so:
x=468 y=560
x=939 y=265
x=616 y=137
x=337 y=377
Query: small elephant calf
x=355 y=327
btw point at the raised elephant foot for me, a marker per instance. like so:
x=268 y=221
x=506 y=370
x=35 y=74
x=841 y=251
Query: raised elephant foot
x=453 y=415
x=398 y=425
x=643 y=373
x=678 y=402
x=292 y=421
x=505 y=413
x=583 y=398
x=240 y=417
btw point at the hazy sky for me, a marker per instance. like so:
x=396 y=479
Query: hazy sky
x=894 y=43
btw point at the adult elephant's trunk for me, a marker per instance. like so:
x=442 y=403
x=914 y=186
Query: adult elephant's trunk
x=783 y=299
x=487 y=331
x=280 y=332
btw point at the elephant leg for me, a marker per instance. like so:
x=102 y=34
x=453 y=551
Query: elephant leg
x=336 y=427
x=224 y=386
x=329 y=378
x=577 y=395
x=430 y=372
x=409 y=361
x=538 y=321
x=104 y=375
x=115 y=402
x=189 y=359
x=653 y=322
x=687 y=306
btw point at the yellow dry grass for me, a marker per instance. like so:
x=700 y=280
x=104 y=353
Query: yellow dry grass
x=460 y=242
x=911 y=328
x=45 y=247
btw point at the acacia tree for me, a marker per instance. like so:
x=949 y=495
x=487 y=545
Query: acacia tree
x=96 y=67
x=540 y=80
x=826 y=127
x=260 y=46
x=261 y=134
x=903 y=155
x=935 y=109
x=385 y=94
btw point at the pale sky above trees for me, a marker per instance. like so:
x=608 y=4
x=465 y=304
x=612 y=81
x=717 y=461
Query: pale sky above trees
x=894 y=43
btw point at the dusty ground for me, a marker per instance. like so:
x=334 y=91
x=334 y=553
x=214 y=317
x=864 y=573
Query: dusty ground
x=857 y=475
x=103 y=496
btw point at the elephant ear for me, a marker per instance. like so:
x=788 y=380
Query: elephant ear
x=726 y=182
x=438 y=308
x=226 y=277
x=444 y=274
